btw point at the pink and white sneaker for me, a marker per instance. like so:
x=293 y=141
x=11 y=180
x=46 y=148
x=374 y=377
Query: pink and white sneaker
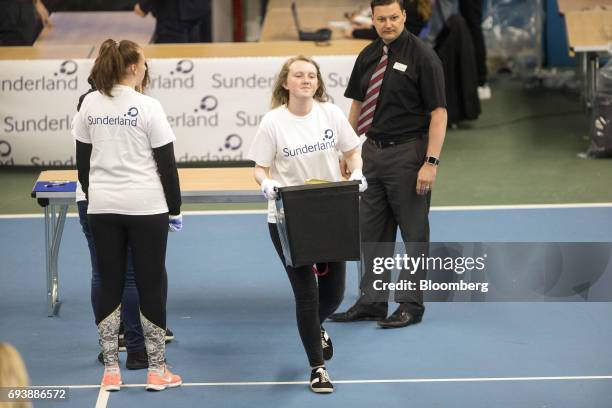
x=158 y=380
x=112 y=379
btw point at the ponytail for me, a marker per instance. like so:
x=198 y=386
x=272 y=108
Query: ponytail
x=111 y=64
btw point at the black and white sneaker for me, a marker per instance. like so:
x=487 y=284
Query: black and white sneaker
x=326 y=343
x=121 y=337
x=169 y=335
x=320 y=382
x=122 y=344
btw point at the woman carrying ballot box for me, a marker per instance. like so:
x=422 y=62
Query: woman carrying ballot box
x=126 y=167
x=298 y=140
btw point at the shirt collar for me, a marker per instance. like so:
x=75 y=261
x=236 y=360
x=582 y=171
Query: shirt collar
x=394 y=47
x=398 y=43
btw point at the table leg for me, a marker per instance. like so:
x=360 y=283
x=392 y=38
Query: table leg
x=360 y=276
x=55 y=219
x=594 y=70
x=48 y=228
x=590 y=68
x=584 y=78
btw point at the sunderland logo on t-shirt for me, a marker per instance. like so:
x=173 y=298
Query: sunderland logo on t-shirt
x=327 y=143
x=128 y=119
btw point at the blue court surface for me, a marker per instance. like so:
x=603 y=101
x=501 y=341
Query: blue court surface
x=231 y=309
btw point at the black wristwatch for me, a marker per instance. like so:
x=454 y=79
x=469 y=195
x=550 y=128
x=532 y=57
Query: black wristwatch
x=432 y=160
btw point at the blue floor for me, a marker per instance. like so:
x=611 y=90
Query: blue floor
x=231 y=309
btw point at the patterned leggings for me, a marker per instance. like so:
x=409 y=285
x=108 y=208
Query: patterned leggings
x=146 y=235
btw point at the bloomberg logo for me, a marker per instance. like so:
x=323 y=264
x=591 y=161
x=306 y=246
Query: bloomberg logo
x=327 y=143
x=181 y=77
x=63 y=78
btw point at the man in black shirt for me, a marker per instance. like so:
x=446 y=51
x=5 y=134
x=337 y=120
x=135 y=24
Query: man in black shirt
x=397 y=87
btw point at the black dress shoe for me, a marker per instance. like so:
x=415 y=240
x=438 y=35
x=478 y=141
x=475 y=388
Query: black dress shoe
x=137 y=361
x=400 y=318
x=361 y=311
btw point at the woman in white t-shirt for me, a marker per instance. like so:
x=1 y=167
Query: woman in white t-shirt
x=297 y=140
x=127 y=170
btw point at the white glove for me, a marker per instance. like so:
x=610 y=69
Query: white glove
x=268 y=188
x=175 y=223
x=358 y=175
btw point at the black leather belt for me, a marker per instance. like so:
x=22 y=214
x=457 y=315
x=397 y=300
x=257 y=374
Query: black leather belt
x=381 y=144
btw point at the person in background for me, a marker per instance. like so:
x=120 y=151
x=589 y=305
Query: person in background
x=471 y=11
x=181 y=21
x=127 y=170
x=302 y=116
x=18 y=21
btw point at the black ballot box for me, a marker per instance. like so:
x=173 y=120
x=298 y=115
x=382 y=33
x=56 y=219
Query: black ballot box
x=319 y=222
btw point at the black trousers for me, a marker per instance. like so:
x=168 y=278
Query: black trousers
x=313 y=302
x=146 y=236
x=471 y=10
x=17 y=22
x=391 y=201
x=169 y=31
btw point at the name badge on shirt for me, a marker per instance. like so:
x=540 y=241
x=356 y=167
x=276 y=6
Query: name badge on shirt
x=400 y=67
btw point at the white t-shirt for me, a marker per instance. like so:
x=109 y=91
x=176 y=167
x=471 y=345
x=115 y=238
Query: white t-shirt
x=123 y=130
x=298 y=148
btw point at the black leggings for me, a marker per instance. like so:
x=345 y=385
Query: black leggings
x=146 y=235
x=313 y=303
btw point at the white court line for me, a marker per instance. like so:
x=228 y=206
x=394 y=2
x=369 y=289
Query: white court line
x=387 y=381
x=438 y=208
x=519 y=206
x=225 y=212
x=215 y=212
x=102 y=400
x=14 y=216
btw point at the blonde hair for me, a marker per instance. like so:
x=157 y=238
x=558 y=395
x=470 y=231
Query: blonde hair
x=280 y=96
x=13 y=373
